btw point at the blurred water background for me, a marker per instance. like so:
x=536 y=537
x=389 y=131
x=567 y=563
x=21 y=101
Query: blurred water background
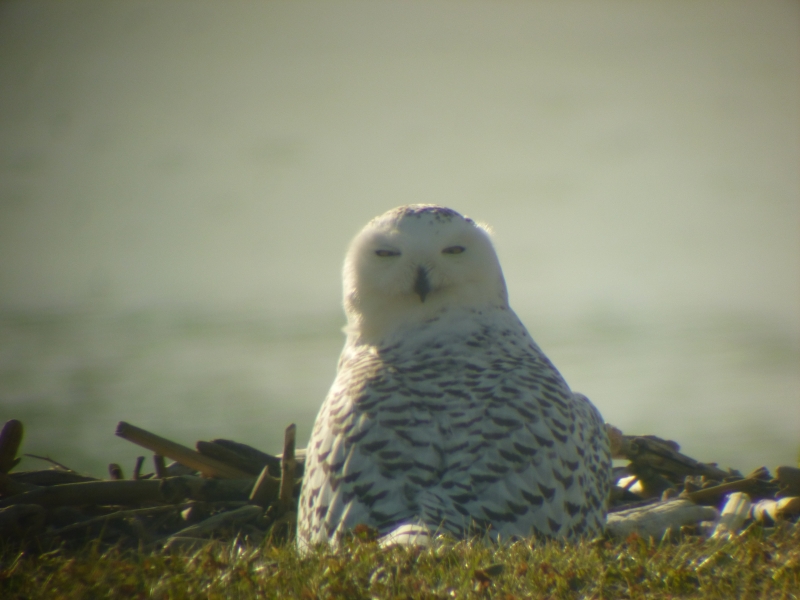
x=179 y=181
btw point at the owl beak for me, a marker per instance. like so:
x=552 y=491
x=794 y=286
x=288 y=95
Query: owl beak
x=422 y=285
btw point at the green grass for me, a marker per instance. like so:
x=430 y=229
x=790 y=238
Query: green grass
x=754 y=565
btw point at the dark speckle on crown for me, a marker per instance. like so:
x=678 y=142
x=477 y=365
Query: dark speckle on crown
x=438 y=213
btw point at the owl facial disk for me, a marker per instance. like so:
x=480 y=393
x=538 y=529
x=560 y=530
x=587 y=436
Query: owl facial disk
x=415 y=262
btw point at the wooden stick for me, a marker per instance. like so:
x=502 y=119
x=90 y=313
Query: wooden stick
x=789 y=480
x=120 y=514
x=176 y=489
x=230 y=457
x=286 y=492
x=137 y=469
x=733 y=516
x=160 y=466
x=10 y=486
x=50 y=460
x=252 y=454
x=186 y=456
x=49 y=477
x=10 y=440
x=711 y=495
x=663 y=456
x=125 y=491
x=266 y=489
x=236 y=517
x=767 y=512
x=655 y=519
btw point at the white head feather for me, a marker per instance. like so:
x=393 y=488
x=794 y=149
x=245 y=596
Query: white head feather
x=414 y=262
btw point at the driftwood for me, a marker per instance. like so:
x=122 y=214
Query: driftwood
x=177 y=489
x=286 y=491
x=10 y=440
x=58 y=505
x=91 y=492
x=176 y=508
x=116 y=515
x=788 y=479
x=10 y=486
x=733 y=516
x=240 y=456
x=713 y=494
x=49 y=477
x=186 y=456
x=21 y=519
x=656 y=469
x=769 y=512
x=224 y=520
x=655 y=519
x=159 y=464
x=661 y=455
x=266 y=489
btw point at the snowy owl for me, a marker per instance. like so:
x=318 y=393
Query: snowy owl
x=445 y=416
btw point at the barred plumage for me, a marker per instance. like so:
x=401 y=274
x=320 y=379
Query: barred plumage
x=445 y=413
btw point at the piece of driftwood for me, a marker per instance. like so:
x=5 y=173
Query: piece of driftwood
x=221 y=521
x=788 y=479
x=160 y=466
x=251 y=455
x=663 y=456
x=651 y=483
x=56 y=464
x=266 y=490
x=231 y=457
x=46 y=477
x=768 y=512
x=753 y=486
x=286 y=492
x=21 y=519
x=733 y=516
x=186 y=456
x=137 y=469
x=655 y=519
x=123 y=492
x=116 y=515
x=11 y=487
x=177 y=489
x=10 y=440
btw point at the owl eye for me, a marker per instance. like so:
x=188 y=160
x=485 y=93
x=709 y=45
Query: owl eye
x=453 y=250
x=385 y=253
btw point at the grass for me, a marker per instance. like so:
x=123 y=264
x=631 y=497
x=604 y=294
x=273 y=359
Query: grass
x=753 y=565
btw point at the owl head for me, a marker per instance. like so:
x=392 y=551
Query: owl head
x=415 y=262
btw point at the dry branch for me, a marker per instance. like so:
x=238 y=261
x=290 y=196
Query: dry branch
x=789 y=480
x=176 y=489
x=46 y=477
x=266 y=490
x=754 y=486
x=91 y=492
x=733 y=516
x=11 y=487
x=230 y=457
x=221 y=521
x=287 y=468
x=10 y=440
x=663 y=456
x=655 y=519
x=186 y=456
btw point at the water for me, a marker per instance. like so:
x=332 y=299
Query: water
x=726 y=390
x=178 y=184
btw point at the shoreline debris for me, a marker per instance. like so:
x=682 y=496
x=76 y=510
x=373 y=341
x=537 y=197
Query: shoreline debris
x=226 y=490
